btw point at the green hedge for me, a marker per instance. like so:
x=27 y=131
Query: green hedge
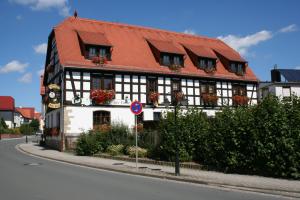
x=263 y=139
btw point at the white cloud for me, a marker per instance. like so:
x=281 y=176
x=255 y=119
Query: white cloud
x=14 y=66
x=61 y=5
x=40 y=72
x=290 y=28
x=26 y=78
x=41 y=48
x=190 y=31
x=19 y=17
x=242 y=44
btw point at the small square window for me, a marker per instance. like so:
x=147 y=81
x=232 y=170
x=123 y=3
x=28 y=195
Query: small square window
x=156 y=116
x=176 y=60
x=166 y=60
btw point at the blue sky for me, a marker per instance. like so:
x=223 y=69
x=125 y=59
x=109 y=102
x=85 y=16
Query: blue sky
x=264 y=32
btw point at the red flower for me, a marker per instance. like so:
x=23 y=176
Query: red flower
x=240 y=100
x=154 y=96
x=102 y=96
x=99 y=60
x=210 y=98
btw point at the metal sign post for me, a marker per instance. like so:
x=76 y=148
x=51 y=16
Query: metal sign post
x=136 y=108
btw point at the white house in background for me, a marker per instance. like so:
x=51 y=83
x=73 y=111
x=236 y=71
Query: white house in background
x=95 y=69
x=284 y=83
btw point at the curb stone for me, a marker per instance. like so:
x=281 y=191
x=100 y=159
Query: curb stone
x=187 y=179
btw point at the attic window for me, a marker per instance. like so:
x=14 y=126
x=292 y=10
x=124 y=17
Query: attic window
x=168 y=59
x=166 y=52
x=206 y=64
x=94 y=44
x=238 y=68
x=92 y=51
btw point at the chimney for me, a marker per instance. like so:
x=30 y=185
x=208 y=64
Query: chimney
x=275 y=74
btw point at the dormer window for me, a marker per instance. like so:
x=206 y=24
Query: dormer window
x=94 y=44
x=237 y=68
x=102 y=51
x=166 y=53
x=171 y=59
x=207 y=64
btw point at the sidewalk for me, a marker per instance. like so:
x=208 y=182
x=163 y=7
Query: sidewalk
x=282 y=187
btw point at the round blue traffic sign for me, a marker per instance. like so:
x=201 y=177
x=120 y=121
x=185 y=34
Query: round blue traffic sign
x=136 y=107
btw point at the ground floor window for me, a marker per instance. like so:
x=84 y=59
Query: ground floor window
x=100 y=118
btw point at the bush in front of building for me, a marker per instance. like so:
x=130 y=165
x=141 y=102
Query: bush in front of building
x=115 y=150
x=131 y=151
x=263 y=139
x=89 y=143
x=26 y=129
x=189 y=127
x=95 y=141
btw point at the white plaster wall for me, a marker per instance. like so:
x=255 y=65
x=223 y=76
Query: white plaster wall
x=295 y=91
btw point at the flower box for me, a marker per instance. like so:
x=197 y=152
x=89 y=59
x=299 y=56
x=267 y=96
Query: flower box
x=175 y=67
x=99 y=60
x=179 y=96
x=102 y=96
x=210 y=99
x=240 y=100
x=154 y=96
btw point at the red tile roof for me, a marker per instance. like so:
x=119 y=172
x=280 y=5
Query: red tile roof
x=93 y=38
x=37 y=116
x=201 y=51
x=26 y=112
x=7 y=103
x=165 y=46
x=131 y=50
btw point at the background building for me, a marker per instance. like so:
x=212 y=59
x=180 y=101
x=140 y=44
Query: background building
x=284 y=83
x=7 y=109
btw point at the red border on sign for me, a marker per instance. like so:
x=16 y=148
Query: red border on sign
x=133 y=103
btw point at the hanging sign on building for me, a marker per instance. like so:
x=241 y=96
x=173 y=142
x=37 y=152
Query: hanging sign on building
x=53 y=96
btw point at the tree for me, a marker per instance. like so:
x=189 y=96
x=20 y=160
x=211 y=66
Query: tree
x=35 y=124
x=3 y=124
x=26 y=129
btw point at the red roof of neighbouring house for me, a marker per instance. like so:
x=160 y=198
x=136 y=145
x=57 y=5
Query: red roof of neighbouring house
x=7 y=103
x=37 y=116
x=132 y=52
x=26 y=112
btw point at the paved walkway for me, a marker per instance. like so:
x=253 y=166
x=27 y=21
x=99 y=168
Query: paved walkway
x=282 y=187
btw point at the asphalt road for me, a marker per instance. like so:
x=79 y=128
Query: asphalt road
x=30 y=178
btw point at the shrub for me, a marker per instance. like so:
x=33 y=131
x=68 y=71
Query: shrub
x=115 y=150
x=130 y=150
x=26 y=129
x=89 y=144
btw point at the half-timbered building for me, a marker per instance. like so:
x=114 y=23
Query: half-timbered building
x=98 y=68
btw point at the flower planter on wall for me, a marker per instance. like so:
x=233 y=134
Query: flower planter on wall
x=102 y=96
x=240 y=100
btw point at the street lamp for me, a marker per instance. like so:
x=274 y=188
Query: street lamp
x=175 y=102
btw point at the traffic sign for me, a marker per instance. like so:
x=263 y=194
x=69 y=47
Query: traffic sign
x=136 y=107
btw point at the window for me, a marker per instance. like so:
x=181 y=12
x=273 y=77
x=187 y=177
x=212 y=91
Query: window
x=208 y=89
x=102 y=51
x=176 y=85
x=102 y=82
x=239 y=90
x=237 y=68
x=92 y=52
x=286 y=91
x=152 y=87
x=206 y=63
x=171 y=59
x=166 y=60
x=101 y=118
x=176 y=60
